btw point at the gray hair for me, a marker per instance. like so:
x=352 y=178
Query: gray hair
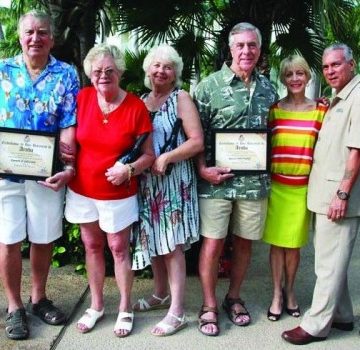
x=348 y=53
x=102 y=50
x=39 y=15
x=166 y=53
x=244 y=27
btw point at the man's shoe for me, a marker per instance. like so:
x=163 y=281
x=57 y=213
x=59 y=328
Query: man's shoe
x=298 y=336
x=46 y=311
x=343 y=326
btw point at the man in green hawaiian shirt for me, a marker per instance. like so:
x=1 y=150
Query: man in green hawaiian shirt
x=236 y=96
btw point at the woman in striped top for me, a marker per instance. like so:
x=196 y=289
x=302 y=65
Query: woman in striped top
x=295 y=122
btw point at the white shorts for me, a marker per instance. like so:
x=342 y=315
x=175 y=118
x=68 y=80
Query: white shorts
x=32 y=209
x=113 y=215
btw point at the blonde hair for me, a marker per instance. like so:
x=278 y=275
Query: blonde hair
x=293 y=61
x=102 y=50
x=167 y=53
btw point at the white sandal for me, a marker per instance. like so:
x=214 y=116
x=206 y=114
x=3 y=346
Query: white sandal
x=169 y=329
x=89 y=320
x=145 y=306
x=122 y=324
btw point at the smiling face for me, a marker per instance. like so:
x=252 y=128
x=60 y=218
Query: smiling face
x=295 y=79
x=245 y=52
x=104 y=75
x=35 y=38
x=337 y=71
x=162 y=73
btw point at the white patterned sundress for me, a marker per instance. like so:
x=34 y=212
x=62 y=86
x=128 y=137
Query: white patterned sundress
x=169 y=213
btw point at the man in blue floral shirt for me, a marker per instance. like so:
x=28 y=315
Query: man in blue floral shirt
x=37 y=93
x=235 y=97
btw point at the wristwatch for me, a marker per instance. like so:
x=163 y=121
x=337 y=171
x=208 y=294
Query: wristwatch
x=343 y=195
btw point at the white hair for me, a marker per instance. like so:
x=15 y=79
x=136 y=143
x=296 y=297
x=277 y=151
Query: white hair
x=166 y=53
x=102 y=50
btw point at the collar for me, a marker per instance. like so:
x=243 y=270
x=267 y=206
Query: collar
x=229 y=75
x=18 y=61
x=348 y=88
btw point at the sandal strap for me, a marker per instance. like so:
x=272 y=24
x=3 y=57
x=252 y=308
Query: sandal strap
x=232 y=301
x=204 y=309
x=90 y=317
x=122 y=324
x=162 y=301
x=181 y=319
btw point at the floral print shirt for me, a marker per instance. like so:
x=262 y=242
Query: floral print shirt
x=46 y=104
x=224 y=101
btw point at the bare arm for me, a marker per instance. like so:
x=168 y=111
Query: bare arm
x=193 y=131
x=60 y=179
x=338 y=207
x=119 y=173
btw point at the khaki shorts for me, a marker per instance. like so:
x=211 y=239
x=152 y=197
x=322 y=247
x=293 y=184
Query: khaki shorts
x=243 y=218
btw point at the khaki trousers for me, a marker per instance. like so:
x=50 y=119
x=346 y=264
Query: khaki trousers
x=333 y=242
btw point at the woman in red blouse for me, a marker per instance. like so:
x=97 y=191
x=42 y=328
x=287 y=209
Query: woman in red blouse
x=102 y=196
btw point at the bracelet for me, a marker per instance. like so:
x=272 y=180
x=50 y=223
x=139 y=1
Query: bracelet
x=69 y=167
x=131 y=171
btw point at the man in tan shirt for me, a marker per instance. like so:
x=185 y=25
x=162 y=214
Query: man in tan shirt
x=334 y=197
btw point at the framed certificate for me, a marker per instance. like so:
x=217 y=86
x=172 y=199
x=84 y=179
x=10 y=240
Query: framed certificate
x=27 y=154
x=245 y=151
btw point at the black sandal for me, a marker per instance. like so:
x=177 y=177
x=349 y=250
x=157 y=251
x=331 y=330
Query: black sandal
x=228 y=304
x=214 y=321
x=47 y=312
x=16 y=326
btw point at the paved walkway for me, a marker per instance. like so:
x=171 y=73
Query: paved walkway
x=67 y=289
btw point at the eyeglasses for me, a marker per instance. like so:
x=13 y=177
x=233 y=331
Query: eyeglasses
x=107 y=72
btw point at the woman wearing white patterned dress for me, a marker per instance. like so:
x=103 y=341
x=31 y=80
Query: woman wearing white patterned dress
x=168 y=204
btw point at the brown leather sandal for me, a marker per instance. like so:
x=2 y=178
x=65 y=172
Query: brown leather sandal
x=214 y=321
x=228 y=304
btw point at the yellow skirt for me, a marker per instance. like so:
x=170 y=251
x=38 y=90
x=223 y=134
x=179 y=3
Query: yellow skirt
x=288 y=219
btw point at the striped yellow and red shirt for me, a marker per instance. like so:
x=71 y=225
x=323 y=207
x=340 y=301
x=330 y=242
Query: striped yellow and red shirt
x=294 y=134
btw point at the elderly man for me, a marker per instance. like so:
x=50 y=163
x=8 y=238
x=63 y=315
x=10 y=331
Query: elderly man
x=334 y=192
x=38 y=93
x=238 y=97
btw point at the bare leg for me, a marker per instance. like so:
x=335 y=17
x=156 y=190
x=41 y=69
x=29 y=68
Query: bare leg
x=40 y=259
x=210 y=253
x=119 y=246
x=240 y=261
x=277 y=261
x=176 y=267
x=160 y=283
x=94 y=242
x=160 y=276
x=292 y=259
x=10 y=272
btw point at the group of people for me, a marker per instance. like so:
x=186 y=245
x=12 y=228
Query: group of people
x=159 y=201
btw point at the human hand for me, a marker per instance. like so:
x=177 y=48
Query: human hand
x=337 y=209
x=67 y=154
x=215 y=175
x=324 y=100
x=117 y=174
x=59 y=180
x=160 y=164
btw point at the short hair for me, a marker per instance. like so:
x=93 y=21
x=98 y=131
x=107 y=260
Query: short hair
x=166 y=53
x=348 y=53
x=244 y=27
x=39 y=15
x=102 y=50
x=293 y=61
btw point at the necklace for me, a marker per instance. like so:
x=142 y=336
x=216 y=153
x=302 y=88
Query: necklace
x=106 y=108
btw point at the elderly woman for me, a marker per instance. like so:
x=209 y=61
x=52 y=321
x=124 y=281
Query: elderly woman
x=295 y=122
x=102 y=196
x=167 y=197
